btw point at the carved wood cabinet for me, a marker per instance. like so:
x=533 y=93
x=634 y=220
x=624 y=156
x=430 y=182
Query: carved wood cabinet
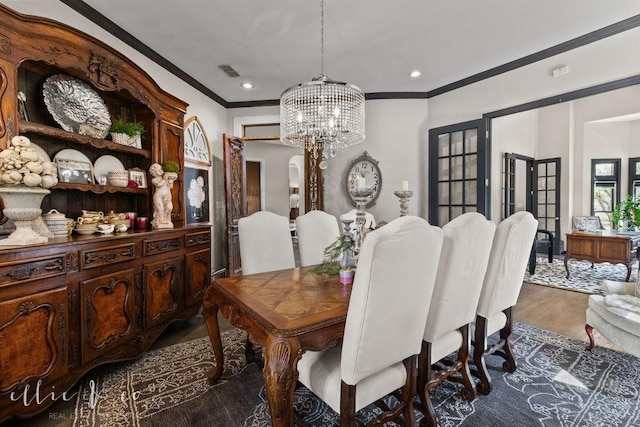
x=69 y=307
x=76 y=302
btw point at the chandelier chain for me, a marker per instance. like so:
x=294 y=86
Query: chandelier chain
x=322 y=37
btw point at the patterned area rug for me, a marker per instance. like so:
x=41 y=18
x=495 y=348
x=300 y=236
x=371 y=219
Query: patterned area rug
x=557 y=383
x=583 y=278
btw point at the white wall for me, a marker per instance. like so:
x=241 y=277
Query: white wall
x=396 y=136
x=518 y=134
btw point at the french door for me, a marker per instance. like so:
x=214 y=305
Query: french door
x=458 y=171
x=546 y=197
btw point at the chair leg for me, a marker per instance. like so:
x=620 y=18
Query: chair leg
x=469 y=392
x=409 y=390
x=510 y=362
x=532 y=259
x=480 y=346
x=424 y=377
x=347 y=405
x=592 y=342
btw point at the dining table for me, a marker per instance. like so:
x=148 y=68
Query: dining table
x=286 y=313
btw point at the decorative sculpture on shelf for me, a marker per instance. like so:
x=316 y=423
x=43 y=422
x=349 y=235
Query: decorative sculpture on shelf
x=163 y=178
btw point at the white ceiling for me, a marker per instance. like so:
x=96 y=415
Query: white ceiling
x=373 y=44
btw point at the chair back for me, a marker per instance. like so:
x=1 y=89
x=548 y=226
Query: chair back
x=463 y=263
x=393 y=285
x=265 y=243
x=507 y=263
x=316 y=230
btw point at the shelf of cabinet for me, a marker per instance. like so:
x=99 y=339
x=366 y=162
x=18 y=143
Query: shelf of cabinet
x=99 y=189
x=45 y=130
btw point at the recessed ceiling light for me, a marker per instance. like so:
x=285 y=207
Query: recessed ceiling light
x=247 y=85
x=415 y=73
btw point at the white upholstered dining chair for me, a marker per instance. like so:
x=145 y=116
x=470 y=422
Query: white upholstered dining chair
x=316 y=230
x=385 y=323
x=502 y=283
x=461 y=269
x=265 y=243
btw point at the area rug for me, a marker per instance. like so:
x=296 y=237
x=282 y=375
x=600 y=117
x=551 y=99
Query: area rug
x=583 y=278
x=557 y=383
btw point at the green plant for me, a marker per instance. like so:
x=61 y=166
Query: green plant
x=170 y=166
x=625 y=211
x=130 y=128
x=331 y=255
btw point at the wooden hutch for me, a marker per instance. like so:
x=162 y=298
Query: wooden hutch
x=76 y=302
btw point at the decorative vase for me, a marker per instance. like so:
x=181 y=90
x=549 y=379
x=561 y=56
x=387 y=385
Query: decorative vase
x=22 y=206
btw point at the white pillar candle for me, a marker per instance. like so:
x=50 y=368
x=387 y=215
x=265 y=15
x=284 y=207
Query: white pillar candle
x=361 y=182
x=405 y=186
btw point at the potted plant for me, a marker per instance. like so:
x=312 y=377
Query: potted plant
x=127 y=133
x=338 y=259
x=625 y=214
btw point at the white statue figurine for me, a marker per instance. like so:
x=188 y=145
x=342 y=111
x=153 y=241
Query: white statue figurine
x=162 y=200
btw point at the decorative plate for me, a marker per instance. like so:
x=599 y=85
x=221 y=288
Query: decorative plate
x=75 y=106
x=105 y=164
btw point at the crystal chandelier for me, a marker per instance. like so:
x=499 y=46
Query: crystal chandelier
x=322 y=115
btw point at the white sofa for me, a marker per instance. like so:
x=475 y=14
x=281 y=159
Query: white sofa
x=616 y=316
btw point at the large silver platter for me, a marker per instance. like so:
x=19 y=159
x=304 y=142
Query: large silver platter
x=76 y=106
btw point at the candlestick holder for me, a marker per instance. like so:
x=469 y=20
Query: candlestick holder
x=360 y=196
x=404 y=197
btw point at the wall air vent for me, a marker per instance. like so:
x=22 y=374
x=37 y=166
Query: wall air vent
x=229 y=71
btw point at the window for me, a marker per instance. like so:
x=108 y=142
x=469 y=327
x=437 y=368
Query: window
x=605 y=191
x=634 y=178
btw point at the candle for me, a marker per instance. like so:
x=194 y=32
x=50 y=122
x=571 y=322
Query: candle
x=361 y=183
x=405 y=186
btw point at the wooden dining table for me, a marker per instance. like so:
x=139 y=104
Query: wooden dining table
x=286 y=312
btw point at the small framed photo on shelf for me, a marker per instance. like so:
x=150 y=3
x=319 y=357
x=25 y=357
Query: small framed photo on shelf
x=139 y=177
x=75 y=171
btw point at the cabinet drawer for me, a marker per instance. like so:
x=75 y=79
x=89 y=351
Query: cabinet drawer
x=108 y=255
x=153 y=247
x=32 y=269
x=194 y=239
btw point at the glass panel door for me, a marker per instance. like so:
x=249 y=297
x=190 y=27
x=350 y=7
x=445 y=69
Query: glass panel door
x=457 y=171
x=546 y=196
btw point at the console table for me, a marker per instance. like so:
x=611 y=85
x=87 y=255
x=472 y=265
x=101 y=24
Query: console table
x=606 y=246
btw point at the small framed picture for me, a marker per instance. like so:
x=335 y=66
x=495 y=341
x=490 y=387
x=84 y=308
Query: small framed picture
x=139 y=177
x=75 y=171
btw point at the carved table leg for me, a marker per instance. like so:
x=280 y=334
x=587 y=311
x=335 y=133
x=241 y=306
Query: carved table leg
x=566 y=265
x=628 y=271
x=210 y=313
x=592 y=342
x=280 y=376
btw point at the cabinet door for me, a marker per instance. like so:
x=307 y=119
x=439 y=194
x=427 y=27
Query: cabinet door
x=108 y=312
x=33 y=333
x=162 y=296
x=198 y=276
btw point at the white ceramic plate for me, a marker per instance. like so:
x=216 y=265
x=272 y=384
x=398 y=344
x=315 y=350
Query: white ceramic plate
x=105 y=164
x=41 y=152
x=69 y=154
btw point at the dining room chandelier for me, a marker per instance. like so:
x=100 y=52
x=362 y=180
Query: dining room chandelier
x=322 y=115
